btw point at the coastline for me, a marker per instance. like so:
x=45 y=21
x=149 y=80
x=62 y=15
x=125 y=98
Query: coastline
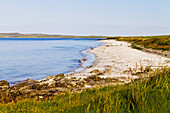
x=50 y=63
x=116 y=63
x=119 y=67
x=126 y=76
x=84 y=61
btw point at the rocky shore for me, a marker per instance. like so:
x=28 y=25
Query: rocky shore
x=117 y=63
x=59 y=84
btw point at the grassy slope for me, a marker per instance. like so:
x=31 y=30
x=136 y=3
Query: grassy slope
x=153 y=95
x=154 y=42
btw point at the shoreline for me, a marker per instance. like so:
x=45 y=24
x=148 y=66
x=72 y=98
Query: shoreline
x=46 y=67
x=150 y=52
x=84 y=56
x=156 y=60
x=66 y=72
x=86 y=51
x=116 y=64
x=73 y=73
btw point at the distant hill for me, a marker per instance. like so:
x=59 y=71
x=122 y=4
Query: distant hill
x=20 y=35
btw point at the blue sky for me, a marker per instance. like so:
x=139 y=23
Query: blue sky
x=86 y=17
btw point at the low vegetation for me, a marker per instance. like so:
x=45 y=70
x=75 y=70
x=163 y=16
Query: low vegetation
x=149 y=95
x=154 y=42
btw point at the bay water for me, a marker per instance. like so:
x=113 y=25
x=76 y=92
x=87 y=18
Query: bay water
x=37 y=58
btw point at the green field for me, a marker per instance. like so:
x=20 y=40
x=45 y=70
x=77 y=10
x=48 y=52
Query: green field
x=149 y=96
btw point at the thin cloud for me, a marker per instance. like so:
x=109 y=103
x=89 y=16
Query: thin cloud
x=1 y=25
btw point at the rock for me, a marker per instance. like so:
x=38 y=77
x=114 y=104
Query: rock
x=108 y=80
x=91 y=82
x=29 y=80
x=94 y=77
x=24 y=92
x=73 y=84
x=138 y=72
x=147 y=69
x=108 y=71
x=95 y=71
x=82 y=83
x=36 y=86
x=87 y=86
x=68 y=75
x=47 y=78
x=126 y=72
x=73 y=78
x=59 y=76
x=84 y=59
x=4 y=85
x=32 y=94
x=60 y=84
x=15 y=93
x=52 y=83
x=52 y=90
x=40 y=97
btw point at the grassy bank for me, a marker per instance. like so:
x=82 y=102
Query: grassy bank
x=154 y=42
x=151 y=95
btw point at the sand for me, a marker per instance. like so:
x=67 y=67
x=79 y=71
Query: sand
x=114 y=58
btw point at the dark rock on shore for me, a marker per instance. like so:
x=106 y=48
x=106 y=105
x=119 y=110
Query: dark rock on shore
x=4 y=85
x=53 y=86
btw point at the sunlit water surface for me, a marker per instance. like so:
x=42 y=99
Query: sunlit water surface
x=25 y=58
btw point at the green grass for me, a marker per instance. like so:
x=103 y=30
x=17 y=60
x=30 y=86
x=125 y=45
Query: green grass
x=136 y=47
x=154 y=42
x=149 y=96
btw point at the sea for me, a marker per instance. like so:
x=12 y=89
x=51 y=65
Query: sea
x=37 y=58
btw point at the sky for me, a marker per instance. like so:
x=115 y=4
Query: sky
x=86 y=17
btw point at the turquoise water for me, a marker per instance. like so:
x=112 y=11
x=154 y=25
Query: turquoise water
x=25 y=58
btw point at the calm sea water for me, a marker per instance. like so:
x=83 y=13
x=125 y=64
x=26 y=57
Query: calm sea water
x=25 y=58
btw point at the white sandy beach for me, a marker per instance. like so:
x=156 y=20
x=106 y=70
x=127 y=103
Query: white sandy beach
x=114 y=58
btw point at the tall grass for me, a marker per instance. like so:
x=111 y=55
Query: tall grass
x=154 y=42
x=150 y=95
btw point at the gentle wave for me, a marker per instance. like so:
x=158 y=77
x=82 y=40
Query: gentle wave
x=23 y=58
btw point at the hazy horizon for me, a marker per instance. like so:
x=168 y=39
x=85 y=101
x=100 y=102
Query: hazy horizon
x=97 y=17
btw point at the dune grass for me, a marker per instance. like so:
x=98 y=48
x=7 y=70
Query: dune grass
x=151 y=95
x=154 y=42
